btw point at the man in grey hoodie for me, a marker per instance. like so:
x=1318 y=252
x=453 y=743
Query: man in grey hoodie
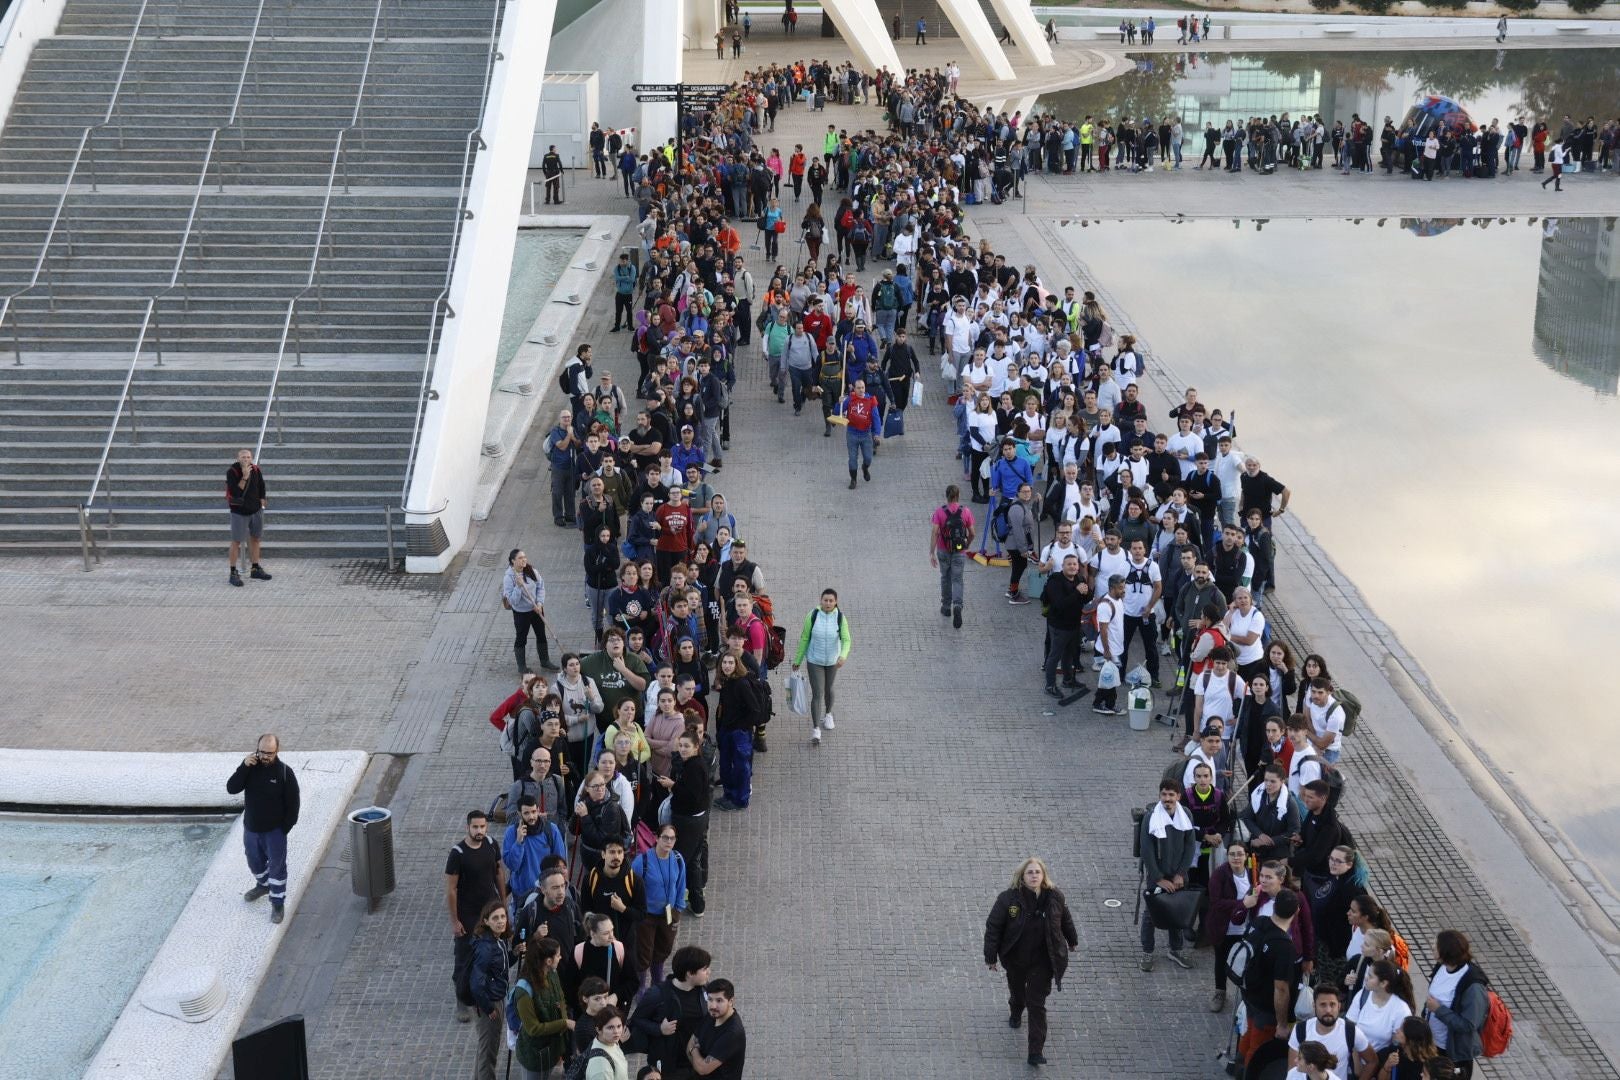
x=800 y=357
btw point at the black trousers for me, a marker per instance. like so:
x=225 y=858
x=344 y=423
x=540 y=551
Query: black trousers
x=1027 y=990
x=692 y=841
x=1148 y=629
x=624 y=305
x=463 y=958
x=522 y=621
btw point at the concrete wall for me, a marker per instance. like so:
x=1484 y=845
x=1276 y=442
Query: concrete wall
x=628 y=42
x=24 y=24
x=453 y=422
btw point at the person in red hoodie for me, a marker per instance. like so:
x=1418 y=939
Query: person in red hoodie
x=676 y=533
x=861 y=410
x=818 y=324
x=796 y=166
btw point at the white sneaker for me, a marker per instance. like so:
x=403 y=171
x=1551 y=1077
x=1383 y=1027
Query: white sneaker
x=815 y=736
x=827 y=722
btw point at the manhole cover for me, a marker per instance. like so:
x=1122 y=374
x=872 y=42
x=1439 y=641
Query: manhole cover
x=1112 y=903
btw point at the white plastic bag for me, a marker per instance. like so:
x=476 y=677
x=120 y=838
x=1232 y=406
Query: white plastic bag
x=916 y=392
x=1108 y=677
x=947 y=370
x=1138 y=676
x=798 y=694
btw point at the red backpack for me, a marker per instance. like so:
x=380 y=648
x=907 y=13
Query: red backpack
x=1496 y=1035
x=775 y=636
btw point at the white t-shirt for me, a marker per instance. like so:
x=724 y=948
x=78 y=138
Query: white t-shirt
x=1101 y=437
x=1140 y=579
x=1252 y=623
x=1378 y=1023
x=1111 y=621
x=1192 y=444
x=1334 y=1041
x=1228 y=470
x=1241 y=884
x=1055 y=554
x=1108 y=563
x=1304 y=768
x=1221 y=696
x=1325 y=719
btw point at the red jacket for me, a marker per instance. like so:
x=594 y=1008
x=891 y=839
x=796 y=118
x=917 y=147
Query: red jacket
x=507 y=708
x=818 y=326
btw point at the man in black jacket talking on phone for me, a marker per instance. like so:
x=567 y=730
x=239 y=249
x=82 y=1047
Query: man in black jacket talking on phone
x=269 y=791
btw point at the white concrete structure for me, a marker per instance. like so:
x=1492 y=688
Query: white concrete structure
x=514 y=405
x=569 y=103
x=439 y=503
x=977 y=37
x=1019 y=19
x=627 y=42
x=23 y=26
x=861 y=26
x=216 y=936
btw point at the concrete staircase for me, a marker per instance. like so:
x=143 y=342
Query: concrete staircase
x=380 y=244
x=344 y=437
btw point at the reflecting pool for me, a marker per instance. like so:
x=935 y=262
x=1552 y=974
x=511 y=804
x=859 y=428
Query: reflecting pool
x=538 y=262
x=1440 y=396
x=84 y=905
x=1217 y=87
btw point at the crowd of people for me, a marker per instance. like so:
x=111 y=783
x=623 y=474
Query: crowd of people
x=1161 y=532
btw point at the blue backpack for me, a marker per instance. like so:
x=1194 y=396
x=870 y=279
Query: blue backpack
x=514 y=1026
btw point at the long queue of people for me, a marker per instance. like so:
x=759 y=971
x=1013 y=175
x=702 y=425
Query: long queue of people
x=1417 y=147
x=1165 y=537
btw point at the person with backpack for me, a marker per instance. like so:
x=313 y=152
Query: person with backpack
x=824 y=643
x=559 y=446
x=1345 y=1042
x=949 y=538
x=740 y=711
x=487 y=976
x=529 y=839
x=1466 y=1017
x=672 y=1010
x=661 y=872
x=603 y=1059
x=537 y=1011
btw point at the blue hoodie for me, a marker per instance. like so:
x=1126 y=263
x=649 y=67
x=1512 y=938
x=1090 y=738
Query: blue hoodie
x=523 y=860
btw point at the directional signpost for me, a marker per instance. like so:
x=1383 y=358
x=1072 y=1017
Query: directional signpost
x=685 y=97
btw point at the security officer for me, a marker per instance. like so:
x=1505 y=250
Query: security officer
x=551 y=168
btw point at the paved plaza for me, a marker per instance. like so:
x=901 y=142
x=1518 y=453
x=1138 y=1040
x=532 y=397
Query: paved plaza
x=848 y=902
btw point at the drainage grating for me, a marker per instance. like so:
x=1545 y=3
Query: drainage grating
x=375 y=574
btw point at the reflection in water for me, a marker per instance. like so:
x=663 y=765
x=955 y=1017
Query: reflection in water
x=1578 y=302
x=1488 y=83
x=1401 y=380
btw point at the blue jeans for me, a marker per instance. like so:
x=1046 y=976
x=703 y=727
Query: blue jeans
x=267 y=859
x=1330 y=756
x=803 y=380
x=885 y=325
x=860 y=446
x=737 y=765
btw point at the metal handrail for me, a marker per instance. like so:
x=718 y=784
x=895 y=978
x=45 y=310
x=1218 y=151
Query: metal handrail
x=92 y=550
x=179 y=263
x=435 y=324
x=320 y=235
x=73 y=171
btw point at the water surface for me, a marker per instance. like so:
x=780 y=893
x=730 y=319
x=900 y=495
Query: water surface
x=538 y=262
x=1441 y=399
x=84 y=905
x=1217 y=87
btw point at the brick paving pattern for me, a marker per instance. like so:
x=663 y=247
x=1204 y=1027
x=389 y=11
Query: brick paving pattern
x=848 y=902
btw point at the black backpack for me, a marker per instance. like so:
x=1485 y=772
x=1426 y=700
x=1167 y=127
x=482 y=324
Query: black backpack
x=955 y=530
x=581 y=1062
x=568 y=377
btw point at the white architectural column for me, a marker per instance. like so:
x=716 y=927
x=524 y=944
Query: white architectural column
x=1020 y=21
x=661 y=62
x=860 y=24
x=445 y=477
x=700 y=22
x=968 y=18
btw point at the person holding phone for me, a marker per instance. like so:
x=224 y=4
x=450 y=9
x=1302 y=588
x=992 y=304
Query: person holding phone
x=269 y=791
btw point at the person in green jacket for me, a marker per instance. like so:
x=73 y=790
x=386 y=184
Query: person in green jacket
x=542 y=1040
x=829 y=143
x=823 y=646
